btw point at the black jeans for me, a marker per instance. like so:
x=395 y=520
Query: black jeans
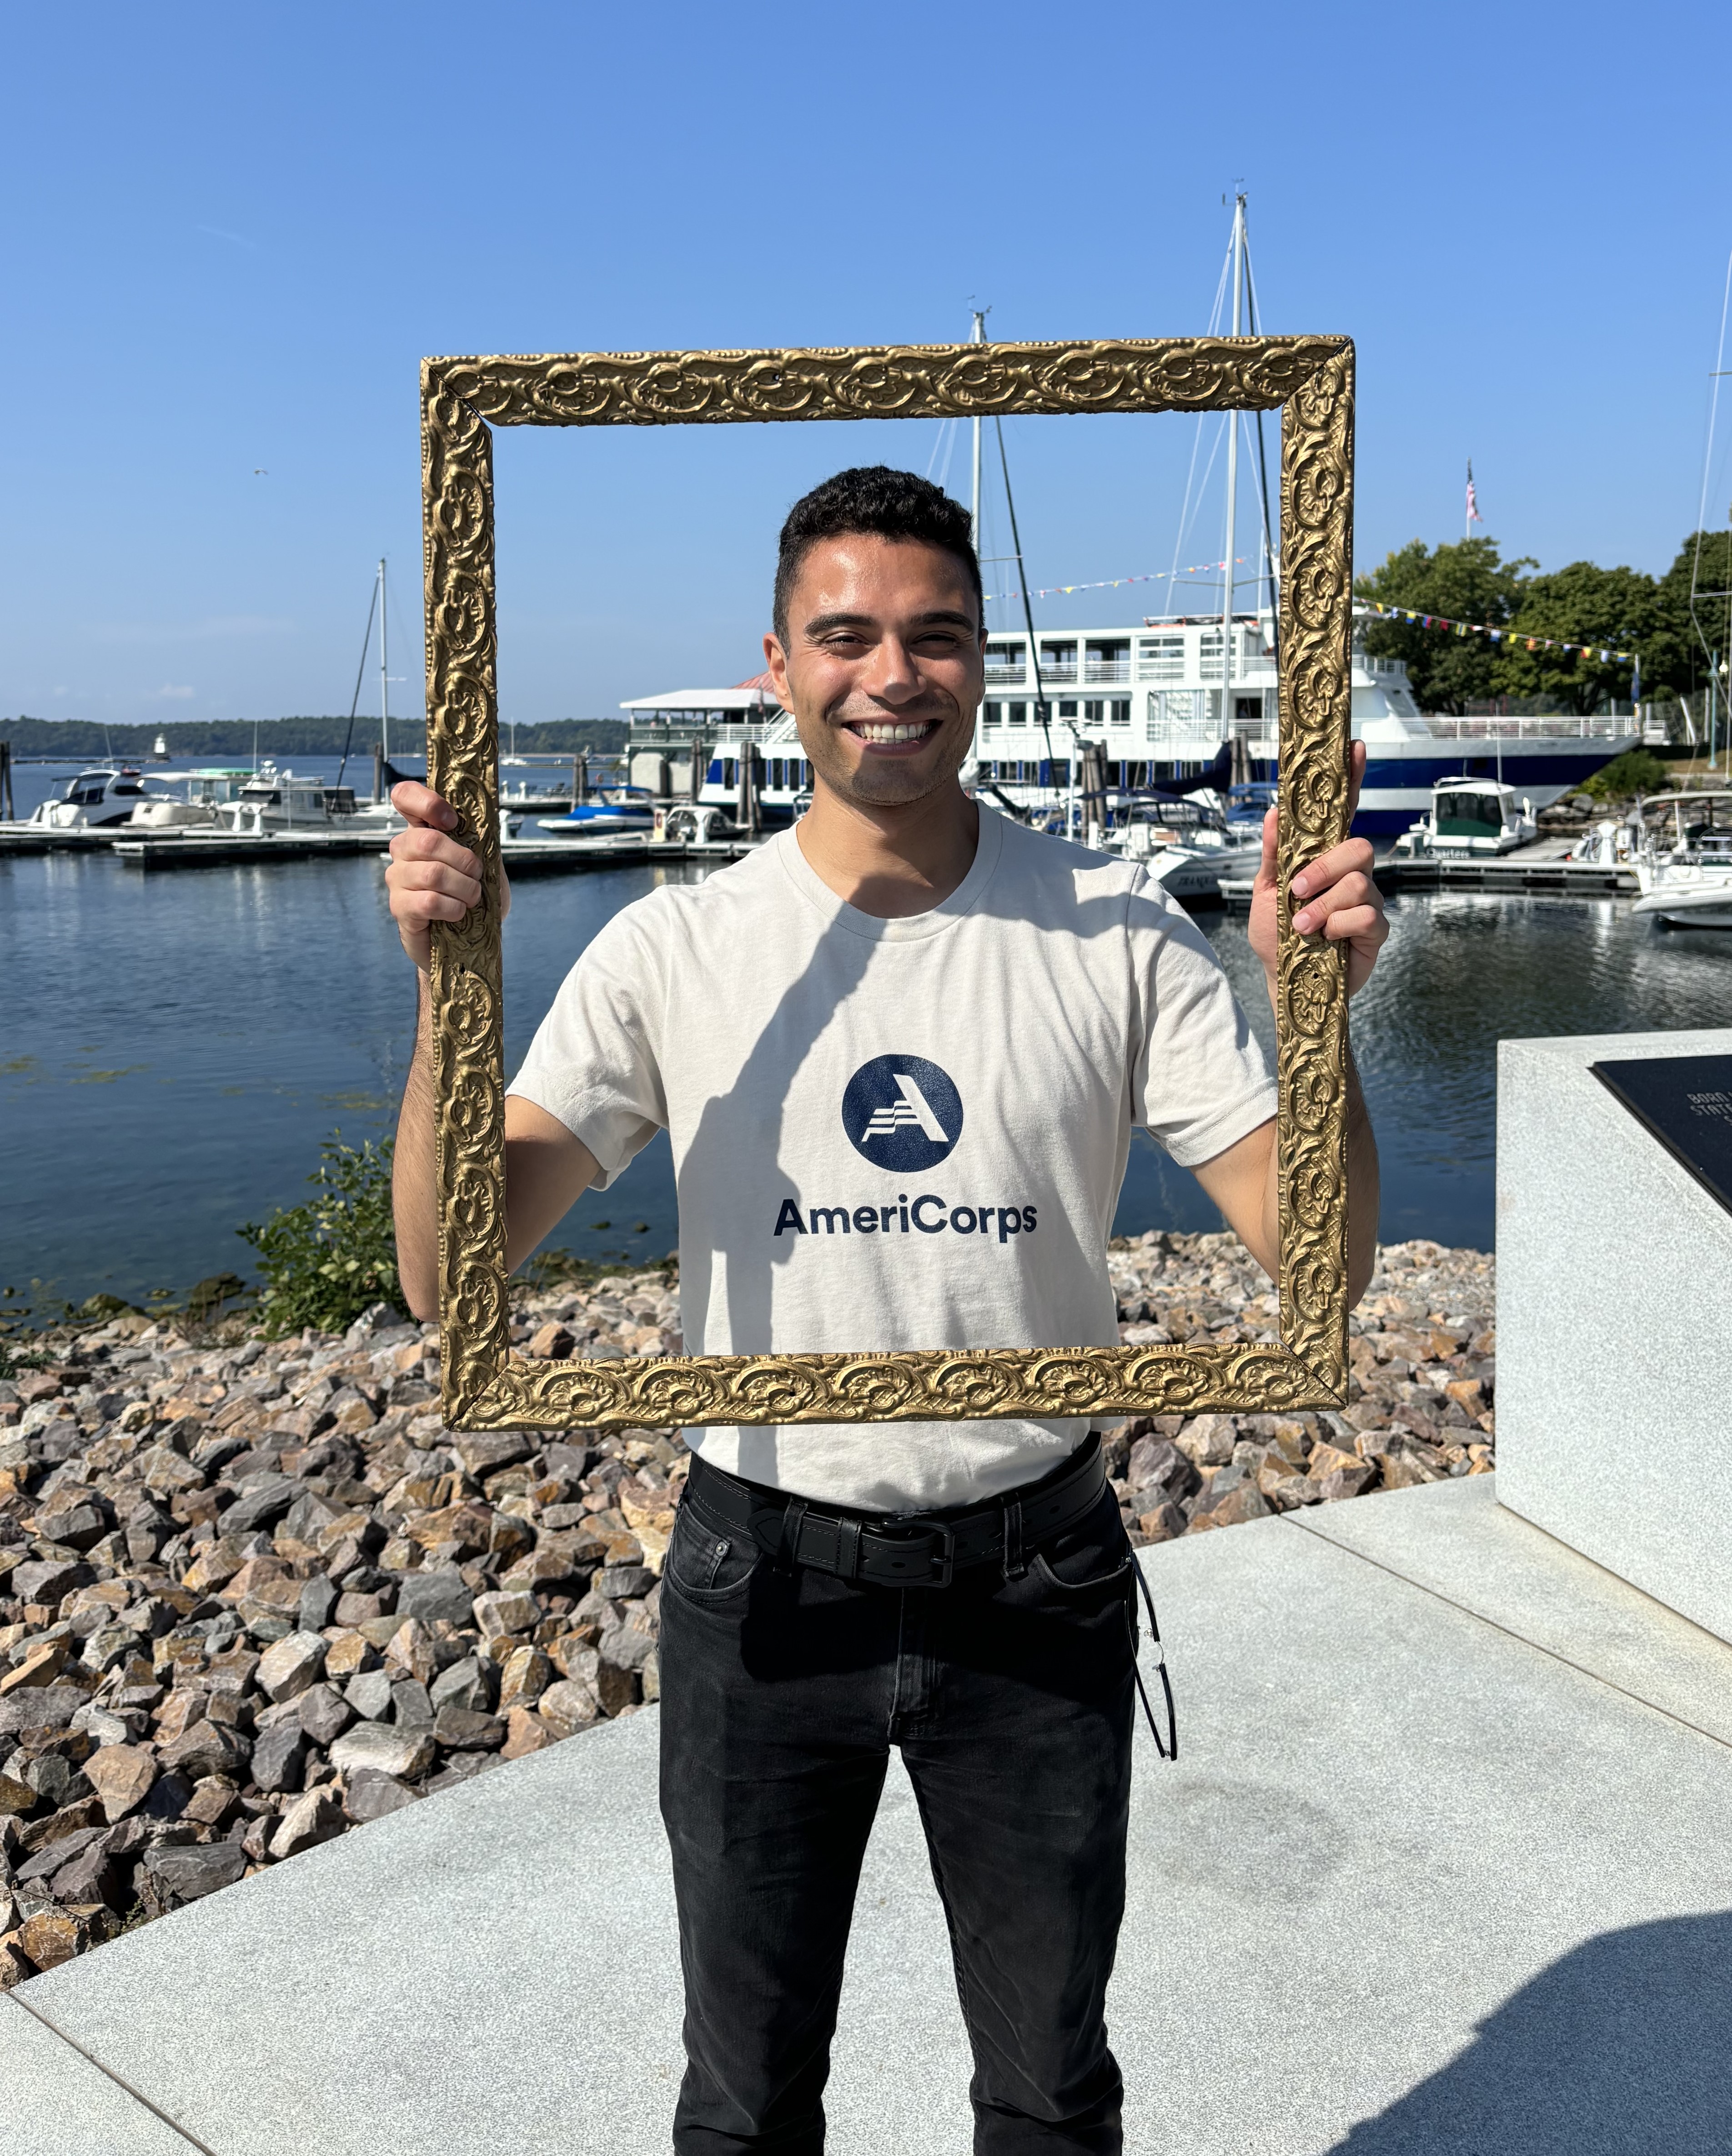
x=1011 y=1702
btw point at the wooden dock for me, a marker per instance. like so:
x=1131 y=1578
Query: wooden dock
x=202 y=849
x=1536 y=868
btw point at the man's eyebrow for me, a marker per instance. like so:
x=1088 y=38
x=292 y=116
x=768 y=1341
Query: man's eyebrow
x=939 y=615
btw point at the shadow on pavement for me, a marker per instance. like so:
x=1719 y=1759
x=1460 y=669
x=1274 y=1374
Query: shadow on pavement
x=1623 y=2048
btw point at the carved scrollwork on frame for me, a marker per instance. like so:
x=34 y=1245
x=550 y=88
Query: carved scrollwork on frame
x=1311 y=378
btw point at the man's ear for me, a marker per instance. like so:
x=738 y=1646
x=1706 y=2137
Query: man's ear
x=775 y=659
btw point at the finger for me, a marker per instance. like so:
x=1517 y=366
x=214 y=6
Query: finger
x=420 y=804
x=1272 y=836
x=1363 y=924
x=1352 y=857
x=1352 y=891
x=1355 y=778
x=420 y=844
x=434 y=876
x=415 y=909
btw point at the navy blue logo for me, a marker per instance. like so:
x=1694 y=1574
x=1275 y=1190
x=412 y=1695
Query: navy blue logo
x=902 y=1113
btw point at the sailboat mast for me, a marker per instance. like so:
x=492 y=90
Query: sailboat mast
x=384 y=673
x=978 y=337
x=1226 y=602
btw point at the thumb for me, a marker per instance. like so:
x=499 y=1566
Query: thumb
x=1271 y=832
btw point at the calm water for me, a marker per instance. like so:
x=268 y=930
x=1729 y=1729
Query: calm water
x=173 y=1048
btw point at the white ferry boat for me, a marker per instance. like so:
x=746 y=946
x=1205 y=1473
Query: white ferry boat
x=1150 y=695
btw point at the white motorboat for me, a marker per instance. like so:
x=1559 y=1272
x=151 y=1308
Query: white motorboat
x=195 y=806
x=95 y=800
x=1470 y=819
x=1685 y=875
x=271 y=800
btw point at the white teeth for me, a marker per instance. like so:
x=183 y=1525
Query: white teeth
x=892 y=733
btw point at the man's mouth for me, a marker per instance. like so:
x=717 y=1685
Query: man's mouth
x=885 y=733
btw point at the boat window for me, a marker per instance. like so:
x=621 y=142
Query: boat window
x=1016 y=714
x=1120 y=714
x=1469 y=815
x=990 y=714
x=1003 y=658
x=123 y=787
x=1160 y=658
x=1068 y=710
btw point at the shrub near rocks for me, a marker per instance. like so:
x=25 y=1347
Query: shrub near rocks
x=296 y=1603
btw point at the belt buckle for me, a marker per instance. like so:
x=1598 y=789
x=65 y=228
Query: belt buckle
x=944 y=1558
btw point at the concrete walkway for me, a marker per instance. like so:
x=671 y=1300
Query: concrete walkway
x=1446 y=1866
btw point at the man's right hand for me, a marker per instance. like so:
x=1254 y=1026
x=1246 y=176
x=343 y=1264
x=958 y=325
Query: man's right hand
x=431 y=876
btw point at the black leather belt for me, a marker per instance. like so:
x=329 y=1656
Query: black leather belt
x=910 y=1549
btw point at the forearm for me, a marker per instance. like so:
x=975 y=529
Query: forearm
x=1363 y=1188
x=415 y=1188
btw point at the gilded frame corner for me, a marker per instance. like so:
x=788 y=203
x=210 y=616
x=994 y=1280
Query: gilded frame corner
x=1310 y=379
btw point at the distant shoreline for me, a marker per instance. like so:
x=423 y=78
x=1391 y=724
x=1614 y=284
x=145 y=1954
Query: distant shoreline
x=74 y=741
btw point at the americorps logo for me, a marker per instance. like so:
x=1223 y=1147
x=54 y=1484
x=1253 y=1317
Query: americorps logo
x=902 y=1113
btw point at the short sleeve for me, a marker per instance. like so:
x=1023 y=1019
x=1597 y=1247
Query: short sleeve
x=595 y=1062
x=1199 y=1081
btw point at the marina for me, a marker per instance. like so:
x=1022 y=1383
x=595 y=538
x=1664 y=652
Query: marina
x=195 y=1039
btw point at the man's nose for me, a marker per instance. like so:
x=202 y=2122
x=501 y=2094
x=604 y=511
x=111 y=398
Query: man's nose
x=892 y=674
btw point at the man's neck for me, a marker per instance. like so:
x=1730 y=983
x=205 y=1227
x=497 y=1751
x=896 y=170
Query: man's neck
x=890 y=862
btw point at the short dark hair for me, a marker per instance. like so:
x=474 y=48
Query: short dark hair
x=876 y=498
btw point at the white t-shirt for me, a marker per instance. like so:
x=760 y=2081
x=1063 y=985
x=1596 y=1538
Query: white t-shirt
x=899 y=1133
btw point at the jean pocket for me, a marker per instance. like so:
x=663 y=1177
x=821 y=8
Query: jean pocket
x=1093 y=1555
x=705 y=1567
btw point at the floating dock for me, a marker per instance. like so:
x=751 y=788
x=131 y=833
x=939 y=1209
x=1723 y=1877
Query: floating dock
x=1537 y=868
x=200 y=849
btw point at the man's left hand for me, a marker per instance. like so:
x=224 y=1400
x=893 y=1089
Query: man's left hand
x=1333 y=896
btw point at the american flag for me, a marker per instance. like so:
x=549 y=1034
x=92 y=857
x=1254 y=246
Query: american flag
x=1473 y=515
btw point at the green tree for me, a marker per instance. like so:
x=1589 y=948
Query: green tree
x=1608 y=610
x=1676 y=659
x=1465 y=580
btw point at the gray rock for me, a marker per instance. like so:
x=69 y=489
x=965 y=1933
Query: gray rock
x=207 y=1749
x=619 y=1582
x=470 y=1683
x=460 y=1729
x=370 y=1795
x=279 y=1756
x=187 y=1874
x=410 y=1705
x=38 y=1707
x=433 y=1595
x=498 y=1613
x=318 y=1599
x=369 y=1693
x=405 y=1752
x=627 y=1646
x=48 y=1579
x=289 y=1667
x=264 y=1498
x=323 y=1713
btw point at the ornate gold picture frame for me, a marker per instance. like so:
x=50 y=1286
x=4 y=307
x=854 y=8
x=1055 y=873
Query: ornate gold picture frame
x=1311 y=380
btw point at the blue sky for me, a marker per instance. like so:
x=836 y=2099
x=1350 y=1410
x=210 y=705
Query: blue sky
x=231 y=234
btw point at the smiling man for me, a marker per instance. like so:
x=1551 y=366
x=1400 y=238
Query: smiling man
x=900 y=1051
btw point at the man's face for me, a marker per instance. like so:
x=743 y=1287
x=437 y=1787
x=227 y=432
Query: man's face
x=883 y=669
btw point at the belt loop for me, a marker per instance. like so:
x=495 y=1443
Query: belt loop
x=1015 y=1563
x=847 y=1549
x=793 y=1519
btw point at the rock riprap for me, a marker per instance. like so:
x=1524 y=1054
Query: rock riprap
x=255 y=1594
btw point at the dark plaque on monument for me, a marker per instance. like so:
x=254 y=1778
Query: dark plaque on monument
x=1686 y=1101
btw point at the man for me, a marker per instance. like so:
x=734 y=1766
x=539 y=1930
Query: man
x=899 y=1050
